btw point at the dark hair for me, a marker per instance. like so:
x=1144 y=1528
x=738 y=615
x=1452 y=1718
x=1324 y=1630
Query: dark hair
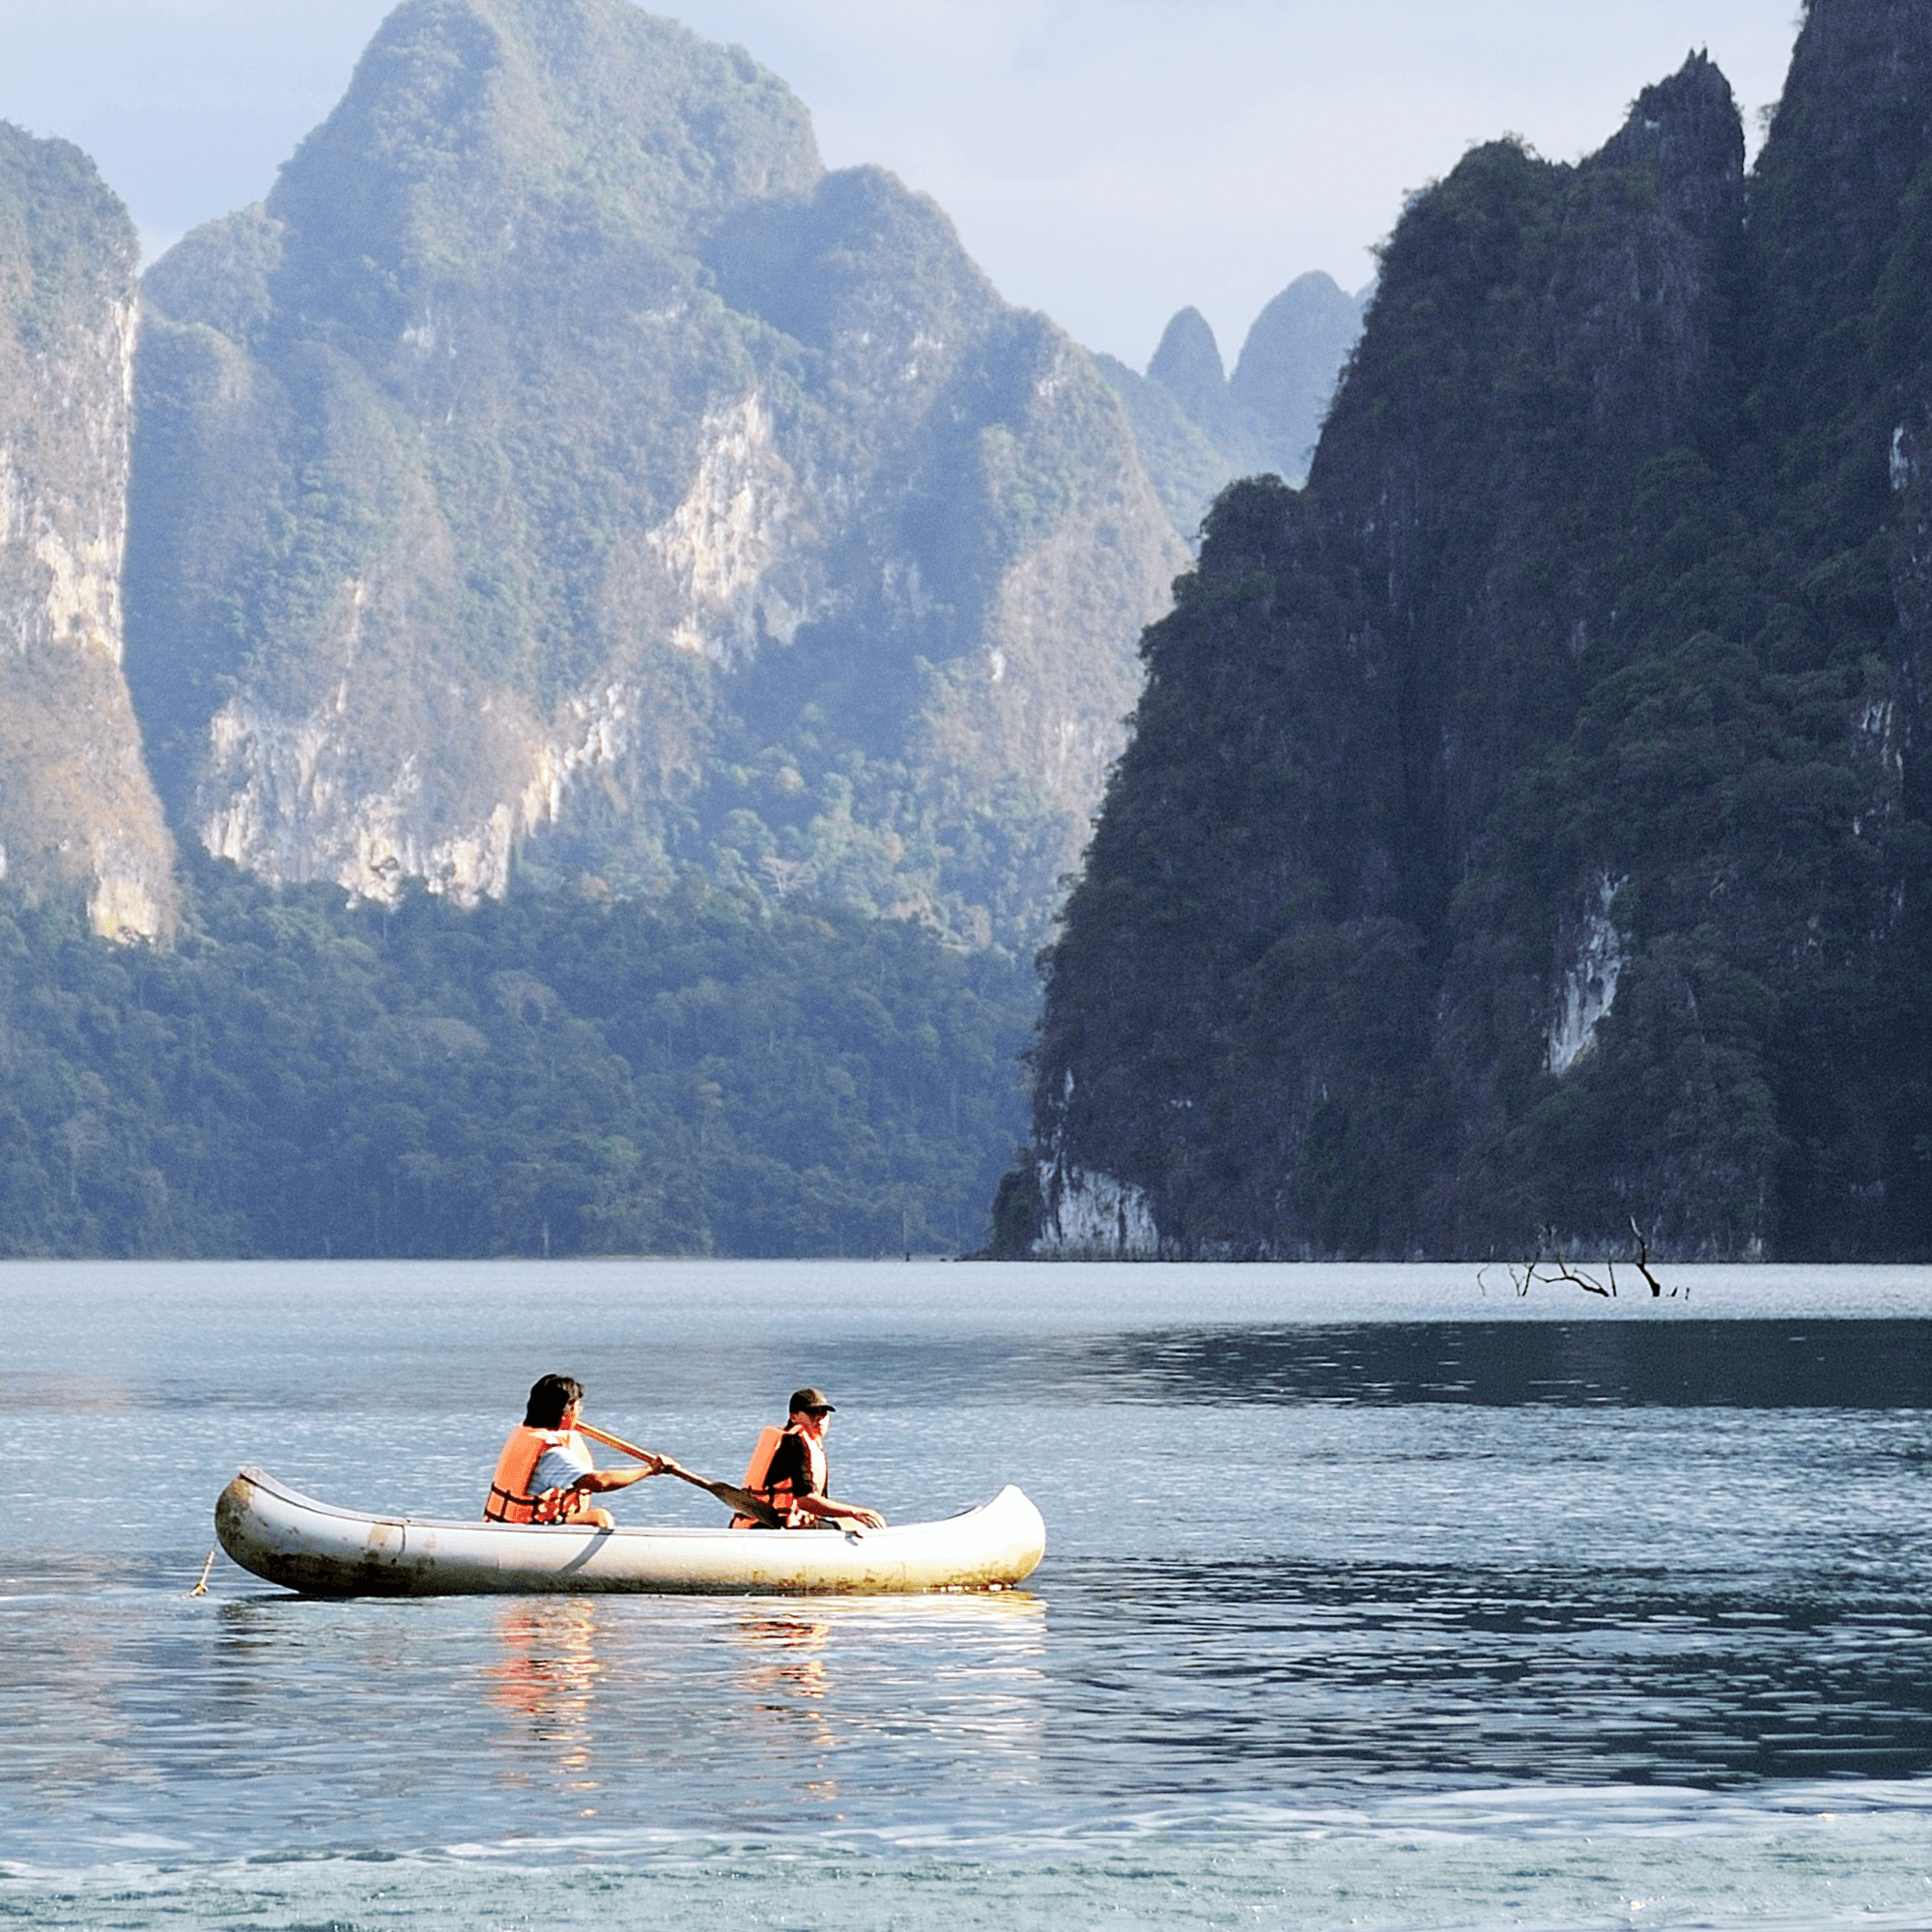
x=549 y=1397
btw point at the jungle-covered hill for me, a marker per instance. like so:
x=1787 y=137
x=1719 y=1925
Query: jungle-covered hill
x=557 y=1073
x=1526 y=827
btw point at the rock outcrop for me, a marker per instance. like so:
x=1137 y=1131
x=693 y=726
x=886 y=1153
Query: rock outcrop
x=77 y=809
x=560 y=466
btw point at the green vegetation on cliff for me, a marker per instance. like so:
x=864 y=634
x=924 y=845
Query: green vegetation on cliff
x=555 y=1074
x=1527 y=827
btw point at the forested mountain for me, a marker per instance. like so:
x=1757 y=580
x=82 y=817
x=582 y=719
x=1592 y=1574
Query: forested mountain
x=1526 y=827
x=559 y=460
x=1199 y=428
x=78 y=810
x=559 y=1074
x=561 y=479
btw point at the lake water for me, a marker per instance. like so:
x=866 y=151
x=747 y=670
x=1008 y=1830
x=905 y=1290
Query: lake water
x=1373 y=1598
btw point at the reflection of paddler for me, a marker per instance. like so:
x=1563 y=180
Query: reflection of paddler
x=545 y=1471
x=790 y=1471
x=796 y=1645
x=550 y=1659
x=547 y=1674
x=791 y=1690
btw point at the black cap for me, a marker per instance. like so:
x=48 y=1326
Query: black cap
x=810 y=1402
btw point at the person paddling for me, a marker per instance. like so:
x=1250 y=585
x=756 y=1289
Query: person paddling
x=790 y=1469
x=545 y=1473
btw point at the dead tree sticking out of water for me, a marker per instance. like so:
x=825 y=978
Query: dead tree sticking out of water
x=1550 y=1266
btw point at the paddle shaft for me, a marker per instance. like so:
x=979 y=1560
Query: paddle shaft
x=729 y=1493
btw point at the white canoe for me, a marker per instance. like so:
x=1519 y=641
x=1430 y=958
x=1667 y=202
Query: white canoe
x=324 y=1551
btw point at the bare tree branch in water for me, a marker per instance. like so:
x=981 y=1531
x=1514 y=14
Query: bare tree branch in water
x=1548 y=1266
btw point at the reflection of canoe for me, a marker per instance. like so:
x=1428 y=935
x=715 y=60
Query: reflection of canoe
x=325 y=1551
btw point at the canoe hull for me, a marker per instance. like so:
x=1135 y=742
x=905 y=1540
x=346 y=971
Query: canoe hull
x=286 y=1538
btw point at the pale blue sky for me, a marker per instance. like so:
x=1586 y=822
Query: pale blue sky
x=1106 y=160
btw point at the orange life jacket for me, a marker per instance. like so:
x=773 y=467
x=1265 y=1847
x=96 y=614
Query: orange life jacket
x=510 y=1500
x=780 y=1495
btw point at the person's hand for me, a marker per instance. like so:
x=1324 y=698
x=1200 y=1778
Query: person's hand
x=872 y=1518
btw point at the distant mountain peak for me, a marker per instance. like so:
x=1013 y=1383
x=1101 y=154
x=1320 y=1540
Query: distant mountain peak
x=1187 y=360
x=471 y=128
x=1199 y=429
x=1289 y=362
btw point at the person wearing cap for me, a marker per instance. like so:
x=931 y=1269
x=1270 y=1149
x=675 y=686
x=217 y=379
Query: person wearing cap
x=796 y=1478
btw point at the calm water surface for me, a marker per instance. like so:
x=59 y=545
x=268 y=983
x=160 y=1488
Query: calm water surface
x=1375 y=1597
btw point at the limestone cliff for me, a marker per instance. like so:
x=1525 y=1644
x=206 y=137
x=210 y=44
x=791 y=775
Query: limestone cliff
x=560 y=466
x=77 y=809
x=1527 y=827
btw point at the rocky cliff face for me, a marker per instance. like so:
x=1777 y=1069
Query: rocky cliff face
x=560 y=466
x=1526 y=827
x=77 y=809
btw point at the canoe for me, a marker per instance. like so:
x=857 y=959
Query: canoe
x=290 y=1538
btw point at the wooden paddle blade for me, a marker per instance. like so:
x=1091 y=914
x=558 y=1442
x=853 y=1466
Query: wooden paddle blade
x=743 y=1501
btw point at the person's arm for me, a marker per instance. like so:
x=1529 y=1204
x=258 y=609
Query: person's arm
x=561 y=1471
x=828 y=1511
x=594 y=1482
x=822 y=1508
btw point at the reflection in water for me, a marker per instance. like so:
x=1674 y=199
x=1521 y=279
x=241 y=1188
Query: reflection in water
x=622 y=1706
x=1307 y=1674
x=832 y=1678
x=1792 y=1363
x=785 y=1662
x=796 y=1645
x=1650 y=1357
x=547 y=1674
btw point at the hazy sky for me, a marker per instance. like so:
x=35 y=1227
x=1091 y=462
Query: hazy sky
x=1106 y=160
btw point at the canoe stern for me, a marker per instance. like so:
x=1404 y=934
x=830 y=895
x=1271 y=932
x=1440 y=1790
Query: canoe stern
x=319 y=1555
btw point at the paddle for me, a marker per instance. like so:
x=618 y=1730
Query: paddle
x=743 y=1501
